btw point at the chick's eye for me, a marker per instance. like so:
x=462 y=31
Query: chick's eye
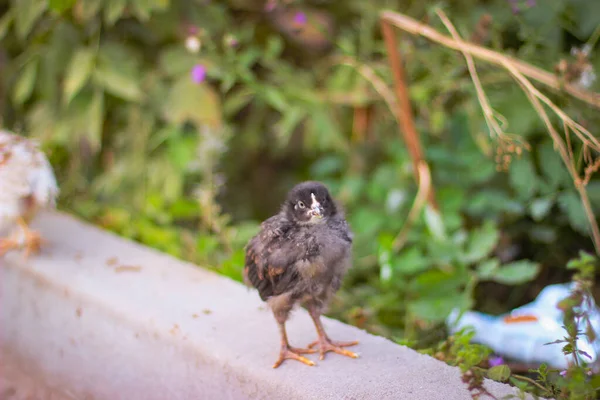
x=301 y=204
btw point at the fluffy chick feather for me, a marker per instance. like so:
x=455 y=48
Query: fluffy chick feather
x=27 y=185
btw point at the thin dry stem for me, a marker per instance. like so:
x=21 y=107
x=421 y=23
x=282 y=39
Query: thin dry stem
x=376 y=81
x=415 y=27
x=590 y=170
x=490 y=115
x=488 y=112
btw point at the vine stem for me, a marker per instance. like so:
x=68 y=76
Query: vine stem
x=403 y=108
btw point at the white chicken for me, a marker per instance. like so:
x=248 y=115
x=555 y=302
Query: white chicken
x=27 y=185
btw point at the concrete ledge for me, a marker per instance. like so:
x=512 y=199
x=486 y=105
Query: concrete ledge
x=105 y=318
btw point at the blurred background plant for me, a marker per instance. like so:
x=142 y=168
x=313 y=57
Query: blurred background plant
x=181 y=124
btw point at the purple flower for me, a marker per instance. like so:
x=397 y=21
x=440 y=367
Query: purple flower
x=270 y=5
x=300 y=18
x=198 y=73
x=563 y=372
x=514 y=6
x=495 y=361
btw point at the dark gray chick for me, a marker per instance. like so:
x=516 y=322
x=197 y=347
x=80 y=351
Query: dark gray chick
x=300 y=256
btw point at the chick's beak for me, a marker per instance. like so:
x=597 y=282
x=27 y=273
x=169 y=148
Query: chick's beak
x=316 y=211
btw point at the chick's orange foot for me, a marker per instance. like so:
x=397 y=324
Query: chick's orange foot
x=6 y=245
x=326 y=345
x=33 y=243
x=27 y=239
x=292 y=353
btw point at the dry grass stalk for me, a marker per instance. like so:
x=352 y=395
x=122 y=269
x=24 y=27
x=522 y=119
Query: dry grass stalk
x=415 y=27
x=403 y=109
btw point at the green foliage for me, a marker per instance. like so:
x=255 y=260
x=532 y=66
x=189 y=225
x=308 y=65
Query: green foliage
x=189 y=163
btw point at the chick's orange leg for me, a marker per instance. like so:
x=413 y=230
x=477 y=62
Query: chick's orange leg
x=7 y=244
x=325 y=344
x=33 y=240
x=291 y=353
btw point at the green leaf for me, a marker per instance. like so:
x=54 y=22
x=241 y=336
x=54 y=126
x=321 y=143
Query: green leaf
x=144 y=8
x=27 y=12
x=487 y=268
x=188 y=101
x=583 y=260
x=410 y=261
x=570 y=204
x=385 y=268
x=586 y=14
x=327 y=166
x=95 y=118
x=515 y=107
x=544 y=233
x=540 y=207
x=114 y=10
x=437 y=309
x=516 y=273
x=89 y=9
x=60 y=5
x=274 y=48
x=117 y=81
x=443 y=254
x=237 y=100
x=451 y=199
x=324 y=132
x=275 y=99
x=434 y=223
x=285 y=126
x=489 y=202
x=552 y=166
x=499 y=373
x=342 y=79
x=435 y=282
x=232 y=267
x=41 y=121
x=244 y=231
x=593 y=190
x=481 y=242
x=26 y=82
x=81 y=122
x=78 y=73
x=523 y=177
x=5 y=23
x=367 y=221
x=176 y=61
x=181 y=152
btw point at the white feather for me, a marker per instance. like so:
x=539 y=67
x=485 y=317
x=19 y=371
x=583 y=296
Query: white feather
x=24 y=171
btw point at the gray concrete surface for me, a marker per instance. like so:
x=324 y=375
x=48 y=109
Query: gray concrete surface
x=105 y=318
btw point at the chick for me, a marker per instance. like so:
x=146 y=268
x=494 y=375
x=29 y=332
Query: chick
x=27 y=184
x=300 y=256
